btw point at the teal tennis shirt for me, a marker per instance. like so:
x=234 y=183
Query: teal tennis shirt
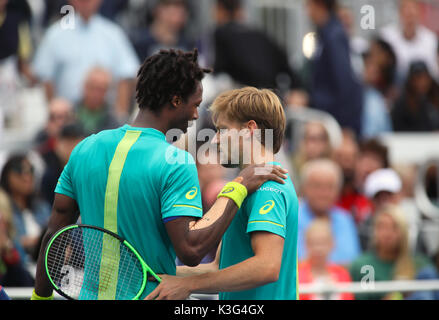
x=272 y=208
x=128 y=180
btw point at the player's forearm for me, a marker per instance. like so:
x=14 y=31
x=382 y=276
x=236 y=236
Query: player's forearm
x=245 y=275
x=42 y=284
x=204 y=234
x=64 y=212
x=185 y=271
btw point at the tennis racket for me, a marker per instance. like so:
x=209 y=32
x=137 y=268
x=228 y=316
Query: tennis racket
x=85 y=262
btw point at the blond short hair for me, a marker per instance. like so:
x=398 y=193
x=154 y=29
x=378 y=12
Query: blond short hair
x=260 y=105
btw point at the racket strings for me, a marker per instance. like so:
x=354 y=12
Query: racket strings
x=86 y=262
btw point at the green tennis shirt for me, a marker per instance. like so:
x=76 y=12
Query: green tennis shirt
x=128 y=180
x=272 y=208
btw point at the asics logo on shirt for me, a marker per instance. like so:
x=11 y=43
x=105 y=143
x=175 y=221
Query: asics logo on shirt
x=266 y=208
x=191 y=193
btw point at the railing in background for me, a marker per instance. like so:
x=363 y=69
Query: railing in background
x=318 y=288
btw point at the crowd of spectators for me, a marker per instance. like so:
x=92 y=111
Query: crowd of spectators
x=356 y=208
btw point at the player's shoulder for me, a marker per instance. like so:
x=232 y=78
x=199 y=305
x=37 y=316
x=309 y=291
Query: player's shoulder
x=271 y=192
x=176 y=157
x=272 y=187
x=277 y=189
x=98 y=140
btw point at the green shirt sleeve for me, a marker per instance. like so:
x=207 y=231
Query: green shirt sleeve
x=181 y=195
x=267 y=210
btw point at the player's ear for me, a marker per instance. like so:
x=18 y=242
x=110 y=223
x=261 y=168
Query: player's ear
x=176 y=101
x=252 y=126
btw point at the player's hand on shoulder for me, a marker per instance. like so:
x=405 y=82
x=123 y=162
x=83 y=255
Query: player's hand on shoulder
x=253 y=176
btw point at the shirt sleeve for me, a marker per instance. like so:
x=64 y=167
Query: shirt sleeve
x=64 y=184
x=180 y=195
x=268 y=210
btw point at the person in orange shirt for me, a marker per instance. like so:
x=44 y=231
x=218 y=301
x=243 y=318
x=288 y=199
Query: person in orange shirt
x=316 y=268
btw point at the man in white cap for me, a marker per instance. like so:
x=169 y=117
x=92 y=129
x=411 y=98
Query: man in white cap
x=381 y=187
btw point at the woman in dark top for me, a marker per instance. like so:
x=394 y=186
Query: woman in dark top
x=417 y=109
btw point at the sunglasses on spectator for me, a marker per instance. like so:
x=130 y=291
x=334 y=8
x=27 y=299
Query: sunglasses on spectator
x=20 y=170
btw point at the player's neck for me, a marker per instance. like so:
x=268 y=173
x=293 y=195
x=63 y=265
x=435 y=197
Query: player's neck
x=148 y=119
x=264 y=156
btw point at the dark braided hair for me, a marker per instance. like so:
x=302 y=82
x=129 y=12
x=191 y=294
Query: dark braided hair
x=167 y=74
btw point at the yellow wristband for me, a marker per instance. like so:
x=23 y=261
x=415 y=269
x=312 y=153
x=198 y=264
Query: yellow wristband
x=37 y=297
x=235 y=191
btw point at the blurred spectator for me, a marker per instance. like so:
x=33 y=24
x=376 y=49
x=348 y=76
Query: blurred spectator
x=15 y=51
x=375 y=117
x=382 y=187
x=12 y=270
x=418 y=107
x=411 y=41
x=357 y=44
x=346 y=155
x=93 y=111
x=334 y=85
x=30 y=212
x=248 y=55
x=60 y=113
x=15 y=37
x=314 y=144
x=373 y=155
x=390 y=255
x=55 y=160
x=112 y=8
x=321 y=183
x=357 y=162
x=316 y=268
x=65 y=55
x=7 y=215
x=382 y=57
x=165 y=31
x=109 y=9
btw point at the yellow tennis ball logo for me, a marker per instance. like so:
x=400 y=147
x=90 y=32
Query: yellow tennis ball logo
x=266 y=208
x=191 y=193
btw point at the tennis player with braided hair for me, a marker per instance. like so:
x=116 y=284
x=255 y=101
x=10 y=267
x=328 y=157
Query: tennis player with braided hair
x=257 y=259
x=130 y=180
